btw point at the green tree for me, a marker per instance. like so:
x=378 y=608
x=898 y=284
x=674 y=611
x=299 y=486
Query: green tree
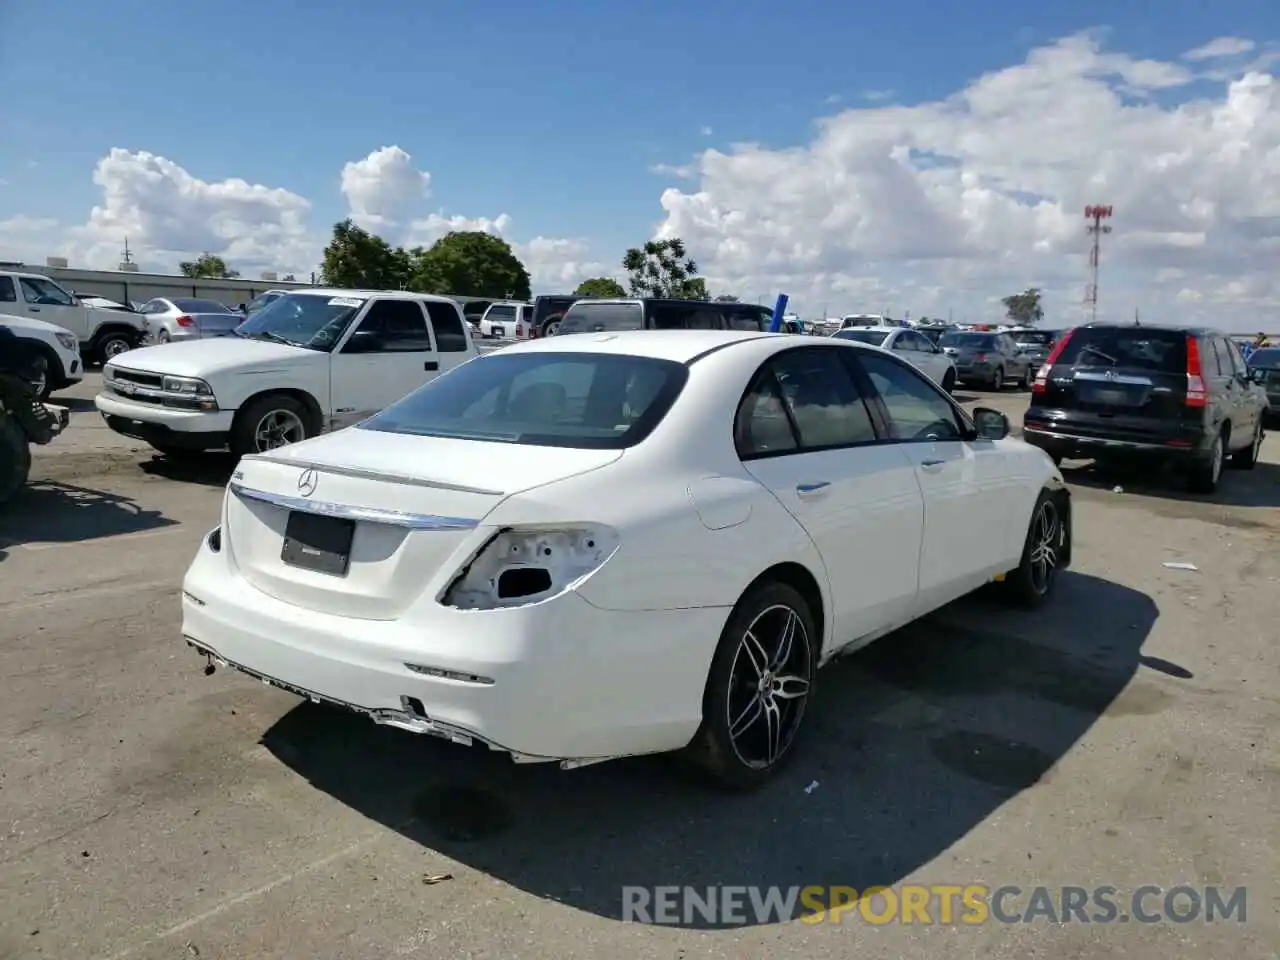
x=605 y=287
x=470 y=263
x=289 y=278
x=207 y=266
x=358 y=259
x=1024 y=308
x=662 y=268
x=695 y=289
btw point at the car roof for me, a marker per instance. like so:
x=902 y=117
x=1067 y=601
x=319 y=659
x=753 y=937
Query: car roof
x=1158 y=327
x=870 y=329
x=681 y=346
x=365 y=294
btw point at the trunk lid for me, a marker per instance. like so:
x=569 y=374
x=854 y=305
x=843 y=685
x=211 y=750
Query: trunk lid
x=384 y=517
x=1127 y=380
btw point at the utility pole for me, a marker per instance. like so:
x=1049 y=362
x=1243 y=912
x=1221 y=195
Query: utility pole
x=1095 y=214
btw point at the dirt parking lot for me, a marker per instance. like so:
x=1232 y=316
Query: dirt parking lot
x=1124 y=736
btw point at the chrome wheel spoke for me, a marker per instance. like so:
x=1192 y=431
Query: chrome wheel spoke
x=773 y=732
x=790 y=688
x=786 y=641
x=755 y=653
x=752 y=713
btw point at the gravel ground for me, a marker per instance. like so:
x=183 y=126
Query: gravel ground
x=1122 y=736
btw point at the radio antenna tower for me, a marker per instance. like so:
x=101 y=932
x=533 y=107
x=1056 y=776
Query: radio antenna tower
x=1095 y=214
x=126 y=255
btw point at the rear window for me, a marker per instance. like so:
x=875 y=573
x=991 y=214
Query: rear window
x=190 y=305
x=589 y=401
x=1034 y=338
x=591 y=317
x=973 y=341
x=1134 y=348
x=1268 y=357
x=874 y=337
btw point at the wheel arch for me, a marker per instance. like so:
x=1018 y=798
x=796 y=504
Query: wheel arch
x=802 y=580
x=315 y=414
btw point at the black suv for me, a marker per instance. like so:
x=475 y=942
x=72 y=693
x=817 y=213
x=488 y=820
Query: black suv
x=548 y=312
x=595 y=316
x=1171 y=394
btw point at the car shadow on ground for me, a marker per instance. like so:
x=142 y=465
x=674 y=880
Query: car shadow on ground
x=913 y=742
x=207 y=469
x=1257 y=487
x=49 y=511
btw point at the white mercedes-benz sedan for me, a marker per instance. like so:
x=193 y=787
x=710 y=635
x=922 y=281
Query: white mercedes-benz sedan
x=601 y=545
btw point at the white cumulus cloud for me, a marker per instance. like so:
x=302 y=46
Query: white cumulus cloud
x=382 y=189
x=955 y=203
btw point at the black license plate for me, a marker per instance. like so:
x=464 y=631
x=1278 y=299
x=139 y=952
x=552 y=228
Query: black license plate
x=1109 y=396
x=499 y=331
x=318 y=543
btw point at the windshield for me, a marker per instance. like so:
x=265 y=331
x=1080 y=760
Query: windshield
x=588 y=317
x=315 y=321
x=261 y=301
x=590 y=401
x=873 y=337
x=187 y=305
x=970 y=341
x=1160 y=351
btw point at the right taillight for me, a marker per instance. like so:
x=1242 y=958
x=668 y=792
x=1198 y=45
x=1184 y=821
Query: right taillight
x=185 y=321
x=1041 y=384
x=1197 y=396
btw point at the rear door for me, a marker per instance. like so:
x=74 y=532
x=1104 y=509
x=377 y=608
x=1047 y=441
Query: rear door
x=1246 y=399
x=499 y=321
x=448 y=335
x=1123 y=383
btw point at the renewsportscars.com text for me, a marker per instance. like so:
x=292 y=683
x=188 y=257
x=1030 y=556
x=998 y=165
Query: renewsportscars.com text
x=936 y=904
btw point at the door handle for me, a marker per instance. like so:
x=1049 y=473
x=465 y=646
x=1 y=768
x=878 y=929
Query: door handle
x=34 y=309
x=804 y=489
x=931 y=464
x=431 y=365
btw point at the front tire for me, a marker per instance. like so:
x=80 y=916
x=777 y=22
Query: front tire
x=1247 y=458
x=758 y=688
x=997 y=380
x=269 y=423
x=949 y=381
x=15 y=458
x=1047 y=545
x=110 y=345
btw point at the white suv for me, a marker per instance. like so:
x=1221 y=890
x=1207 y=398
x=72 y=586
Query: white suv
x=309 y=362
x=55 y=351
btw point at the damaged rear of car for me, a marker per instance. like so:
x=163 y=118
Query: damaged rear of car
x=24 y=420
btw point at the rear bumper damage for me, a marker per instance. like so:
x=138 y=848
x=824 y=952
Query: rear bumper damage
x=560 y=680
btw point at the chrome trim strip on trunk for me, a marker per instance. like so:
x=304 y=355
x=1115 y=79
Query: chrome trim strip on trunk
x=358 y=474
x=394 y=518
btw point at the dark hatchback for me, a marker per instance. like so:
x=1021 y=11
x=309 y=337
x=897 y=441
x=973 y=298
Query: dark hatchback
x=1264 y=366
x=1036 y=344
x=1169 y=394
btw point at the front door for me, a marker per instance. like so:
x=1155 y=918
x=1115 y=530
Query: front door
x=804 y=432
x=386 y=355
x=47 y=301
x=966 y=486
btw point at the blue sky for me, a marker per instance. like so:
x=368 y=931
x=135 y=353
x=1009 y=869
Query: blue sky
x=552 y=112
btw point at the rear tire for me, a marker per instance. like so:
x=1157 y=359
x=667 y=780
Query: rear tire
x=1205 y=473
x=1025 y=382
x=997 y=380
x=15 y=458
x=1047 y=545
x=758 y=688
x=949 y=381
x=1247 y=458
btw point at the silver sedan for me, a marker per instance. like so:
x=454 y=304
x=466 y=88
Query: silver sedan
x=170 y=319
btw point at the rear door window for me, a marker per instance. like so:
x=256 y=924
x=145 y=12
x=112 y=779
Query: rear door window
x=1129 y=348
x=8 y=292
x=589 y=316
x=447 y=325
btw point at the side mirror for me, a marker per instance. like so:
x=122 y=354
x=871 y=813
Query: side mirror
x=990 y=424
x=1258 y=375
x=363 y=341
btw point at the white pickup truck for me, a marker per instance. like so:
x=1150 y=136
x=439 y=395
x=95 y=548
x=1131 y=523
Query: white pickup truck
x=309 y=362
x=103 y=333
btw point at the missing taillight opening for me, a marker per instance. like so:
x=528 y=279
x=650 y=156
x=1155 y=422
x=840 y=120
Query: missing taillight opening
x=523 y=582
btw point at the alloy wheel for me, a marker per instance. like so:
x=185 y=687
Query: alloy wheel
x=769 y=682
x=1046 y=532
x=114 y=347
x=1215 y=459
x=278 y=428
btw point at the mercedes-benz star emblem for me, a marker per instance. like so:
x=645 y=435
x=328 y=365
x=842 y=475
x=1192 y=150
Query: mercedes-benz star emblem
x=307 y=482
